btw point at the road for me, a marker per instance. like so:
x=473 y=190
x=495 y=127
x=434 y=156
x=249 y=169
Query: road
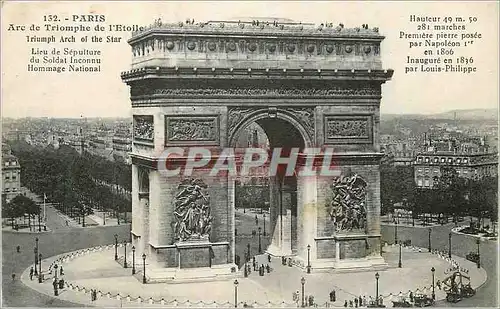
x=486 y=296
x=61 y=239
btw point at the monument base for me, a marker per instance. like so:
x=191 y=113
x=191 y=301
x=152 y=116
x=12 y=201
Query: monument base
x=199 y=274
x=369 y=263
x=276 y=251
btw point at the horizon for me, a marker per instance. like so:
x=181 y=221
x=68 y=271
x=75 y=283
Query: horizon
x=381 y=113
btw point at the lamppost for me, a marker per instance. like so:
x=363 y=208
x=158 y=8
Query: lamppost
x=35 y=250
x=303 y=282
x=260 y=245
x=478 y=256
x=433 y=291
x=264 y=225
x=56 y=292
x=449 y=245
x=116 y=247
x=396 y=232
x=430 y=230
x=308 y=259
x=125 y=260
x=236 y=293
x=376 y=290
x=133 y=260
x=103 y=218
x=399 y=263
x=40 y=269
x=144 y=268
x=39 y=220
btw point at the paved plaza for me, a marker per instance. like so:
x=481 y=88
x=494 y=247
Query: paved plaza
x=98 y=270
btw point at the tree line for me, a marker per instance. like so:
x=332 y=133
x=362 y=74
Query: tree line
x=77 y=182
x=450 y=194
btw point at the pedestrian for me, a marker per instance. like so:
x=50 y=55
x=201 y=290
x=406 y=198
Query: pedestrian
x=350 y=304
x=345 y=304
x=364 y=301
x=18 y=249
x=411 y=296
x=269 y=258
x=13 y=276
x=67 y=224
x=356 y=302
x=256 y=220
x=61 y=271
x=31 y=273
x=268 y=268
x=360 y=301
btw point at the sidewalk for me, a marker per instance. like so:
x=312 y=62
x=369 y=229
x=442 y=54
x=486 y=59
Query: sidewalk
x=97 y=269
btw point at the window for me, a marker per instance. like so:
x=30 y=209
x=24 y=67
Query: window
x=14 y=177
x=420 y=170
x=426 y=159
x=465 y=172
x=419 y=182
x=442 y=160
x=450 y=160
x=419 y=159
x=436 y=160
x=458 y=160
x=427 y=183
x=6 y=163
x=465 y=160
x=427 y=170
x=436 y=171
x=7 y=190
x=14 y=189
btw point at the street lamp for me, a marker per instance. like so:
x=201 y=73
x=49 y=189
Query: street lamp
x=144 y=268
x=56 y=292
x=35 y=250
x=116 y=247
x=478 y=256
x=430 y=230
x=396 y=232
x=260 y=245
x=376 y=290
x=133 y=260
x=236 y=293
x=303 y=282
x=399 y=263
x=308 y=259
x=248 y=249
x=264 y=225
x=125 y=260
x=449 y=245
x=433 y=291
x=40 y=269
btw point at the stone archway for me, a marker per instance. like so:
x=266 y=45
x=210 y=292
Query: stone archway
x=284 y=131
x=199 y=84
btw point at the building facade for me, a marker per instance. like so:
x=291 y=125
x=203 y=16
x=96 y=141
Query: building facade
x=11 y=175
x=427 y=165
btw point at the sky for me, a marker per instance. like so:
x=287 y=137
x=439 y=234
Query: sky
x=105 y=95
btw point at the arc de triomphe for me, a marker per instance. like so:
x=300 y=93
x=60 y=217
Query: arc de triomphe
x=306 y=86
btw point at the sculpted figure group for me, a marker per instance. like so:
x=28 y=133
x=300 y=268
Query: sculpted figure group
x=192 y=211
x=348 y=210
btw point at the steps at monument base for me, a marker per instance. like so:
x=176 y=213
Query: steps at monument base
x=350 y=265
x=186 y=275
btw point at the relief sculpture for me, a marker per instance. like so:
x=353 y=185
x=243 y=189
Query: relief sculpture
x=193 y=220
x=192 y=130
x=347 y=128
x=295 y=92
x=306 y=118
x=348 y=206
x=143 y=127
x=235 y=116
